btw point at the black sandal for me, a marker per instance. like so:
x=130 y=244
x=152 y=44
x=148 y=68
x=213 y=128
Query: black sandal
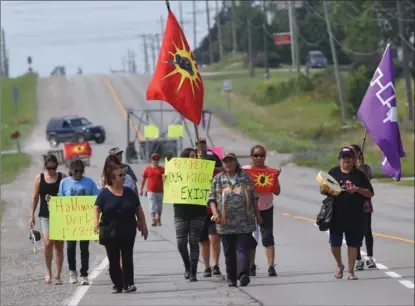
x=339 y=273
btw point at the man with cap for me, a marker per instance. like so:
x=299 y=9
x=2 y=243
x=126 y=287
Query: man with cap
x=153 y=176
x=209 y=239
x=127 y=169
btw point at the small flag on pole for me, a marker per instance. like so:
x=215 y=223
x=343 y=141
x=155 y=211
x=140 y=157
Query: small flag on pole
x=176 y=79
x=379 y=115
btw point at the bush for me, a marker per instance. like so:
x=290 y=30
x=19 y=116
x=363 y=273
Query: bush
x=271 y=92
x=357 y=84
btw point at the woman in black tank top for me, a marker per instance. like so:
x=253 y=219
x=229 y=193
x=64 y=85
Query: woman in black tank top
x=46 y=185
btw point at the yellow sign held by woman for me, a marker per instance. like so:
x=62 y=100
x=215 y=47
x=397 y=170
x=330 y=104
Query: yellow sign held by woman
x=188 y=181
x=72 y=218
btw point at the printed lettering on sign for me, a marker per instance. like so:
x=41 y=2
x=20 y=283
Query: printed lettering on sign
x=187 y=181
x=72 y=218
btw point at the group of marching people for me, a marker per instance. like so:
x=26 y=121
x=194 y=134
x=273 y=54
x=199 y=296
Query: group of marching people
x=233 y=213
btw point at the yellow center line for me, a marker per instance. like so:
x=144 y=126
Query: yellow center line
x=374 y=233
x=121 y=108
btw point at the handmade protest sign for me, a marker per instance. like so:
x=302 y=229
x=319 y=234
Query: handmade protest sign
x=72 y=218
x=187 y=181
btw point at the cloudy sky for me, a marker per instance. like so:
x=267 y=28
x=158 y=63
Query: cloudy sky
x=92 y=34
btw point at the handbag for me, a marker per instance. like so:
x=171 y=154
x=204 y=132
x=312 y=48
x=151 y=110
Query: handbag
x=107 y=233
x=324 y=217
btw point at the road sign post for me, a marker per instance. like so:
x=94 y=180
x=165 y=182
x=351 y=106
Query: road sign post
x=16 y=99
x=227 y=87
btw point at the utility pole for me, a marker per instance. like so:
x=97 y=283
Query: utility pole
x=153 y=51
x=146 y=61
x=405 y=61
x=290 y=5
x=336 y=65
x=218 y=24
x=162 y=26
x=265 y=37
x=233 y=25
x=157 y=36
x=209 y=36
x=250 y=55
x=181 y=14
x=123 y=64
x=194 y=25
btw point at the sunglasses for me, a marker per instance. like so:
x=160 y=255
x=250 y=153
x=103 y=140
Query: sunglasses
x=155 y=159
x=78 y=171
x=258 y=155
x=51 y=168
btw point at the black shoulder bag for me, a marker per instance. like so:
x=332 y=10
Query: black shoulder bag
x=107 y=232
x=325 y=215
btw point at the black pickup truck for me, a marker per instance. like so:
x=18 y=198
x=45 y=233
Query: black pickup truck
x=73 y=129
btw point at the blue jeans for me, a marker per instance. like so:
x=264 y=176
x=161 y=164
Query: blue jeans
x=236 y=248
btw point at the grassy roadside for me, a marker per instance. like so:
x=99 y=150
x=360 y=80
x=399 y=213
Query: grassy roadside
x=20 y=116
x=306 y=124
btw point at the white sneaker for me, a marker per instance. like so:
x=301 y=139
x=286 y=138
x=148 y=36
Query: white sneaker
x=73 y=277
x=84 y=281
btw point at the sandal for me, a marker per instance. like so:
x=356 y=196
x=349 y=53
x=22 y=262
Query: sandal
x=352 y=277
x=58 y=281
x=339 y=273
x=48 y=280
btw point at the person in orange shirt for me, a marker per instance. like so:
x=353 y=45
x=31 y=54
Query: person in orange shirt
x=153 y=175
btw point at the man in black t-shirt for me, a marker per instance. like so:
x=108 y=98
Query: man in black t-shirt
x=209 y=238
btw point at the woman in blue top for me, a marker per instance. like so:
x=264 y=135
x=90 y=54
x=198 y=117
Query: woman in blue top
x=78 y=185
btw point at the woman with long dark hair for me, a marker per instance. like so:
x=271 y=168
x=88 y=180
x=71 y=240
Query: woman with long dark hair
x=189 y=221
x=368 y=210
x=121 y=214
x=47 y=185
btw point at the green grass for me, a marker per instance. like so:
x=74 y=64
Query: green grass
x=13 y=165
x=228 y=63
x=19 y=116
x=409 y=182
x=307 y=124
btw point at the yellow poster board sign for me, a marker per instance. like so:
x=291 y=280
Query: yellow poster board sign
x=72 y=218
x=175 y=131
x=188 y=181
x=151 y=131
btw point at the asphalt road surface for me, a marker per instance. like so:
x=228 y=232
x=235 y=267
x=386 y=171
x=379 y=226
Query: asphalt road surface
x=304 y=263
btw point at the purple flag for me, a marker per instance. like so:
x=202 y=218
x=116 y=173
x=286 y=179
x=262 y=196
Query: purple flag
x=379 y=115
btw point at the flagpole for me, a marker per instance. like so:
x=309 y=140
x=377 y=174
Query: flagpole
x=195 y=126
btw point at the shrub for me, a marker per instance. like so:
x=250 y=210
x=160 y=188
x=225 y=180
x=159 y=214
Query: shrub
x=356 y=87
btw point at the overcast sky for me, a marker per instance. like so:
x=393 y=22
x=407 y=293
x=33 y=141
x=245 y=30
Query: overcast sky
x=92 y=34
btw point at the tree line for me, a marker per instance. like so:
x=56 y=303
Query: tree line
x=360 y=30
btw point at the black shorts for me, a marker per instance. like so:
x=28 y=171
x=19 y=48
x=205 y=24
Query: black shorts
x=208 y=230
x=353 y=238
x=267 y=227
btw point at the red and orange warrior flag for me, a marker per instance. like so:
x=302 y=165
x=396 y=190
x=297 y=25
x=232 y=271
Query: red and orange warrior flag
x=265 y=180
x=176 y=79
x=76 y=150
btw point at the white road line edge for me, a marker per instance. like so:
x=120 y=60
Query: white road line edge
x=80 y=292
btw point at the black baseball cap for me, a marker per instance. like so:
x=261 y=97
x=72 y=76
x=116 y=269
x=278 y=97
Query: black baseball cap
x=346 y=151
x=201 y=140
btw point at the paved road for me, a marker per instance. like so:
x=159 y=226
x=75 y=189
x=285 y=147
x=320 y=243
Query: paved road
x=305 y=265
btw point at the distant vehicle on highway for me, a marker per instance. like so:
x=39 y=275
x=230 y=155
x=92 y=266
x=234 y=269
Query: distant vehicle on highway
x=316 y=59
x=73 y=129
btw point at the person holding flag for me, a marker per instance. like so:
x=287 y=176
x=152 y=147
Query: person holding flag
x=266 y=209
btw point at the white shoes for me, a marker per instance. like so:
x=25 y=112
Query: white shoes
x=73 y=279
